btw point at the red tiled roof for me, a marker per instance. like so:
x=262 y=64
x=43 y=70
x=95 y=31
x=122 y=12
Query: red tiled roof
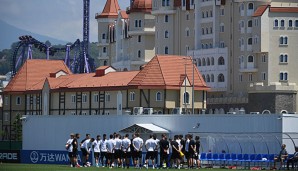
x=260 y=10
x=168 y=71
x=284 y=9
x=141 y=6
x=110 y=10
x=33 y=73
x=124 y=15
x=110 y=80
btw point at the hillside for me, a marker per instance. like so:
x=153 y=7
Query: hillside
x=10 y=34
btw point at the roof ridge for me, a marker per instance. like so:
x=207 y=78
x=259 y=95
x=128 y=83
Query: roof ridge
x=162 y=73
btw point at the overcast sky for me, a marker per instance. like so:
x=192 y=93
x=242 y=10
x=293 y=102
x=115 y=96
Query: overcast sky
x=60 y=19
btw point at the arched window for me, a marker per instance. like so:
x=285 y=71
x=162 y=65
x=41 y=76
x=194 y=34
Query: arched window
x=158 y=96
x=211 y=14
x=199 y=62
x=250 y=59
x=282 y=23
x=221 y=61
x=139 y=53
x=132 y=96
x=249 y=23
x=203 y=46
x=212 y=61
x=211 y=30
x=166 y=50
x=105 y=63
x=276 y=23
x=203 y=15
x=249 y=41
x=204 y=77
x=207 y=78
x=290 y=23
x=208 y=61
x=207 y=32
x=140 y=23
x=212 y=78
x=186 y=98
x=204 y=62
x=250 y=6
x=103 y=36
x=104 y=50
x=210 y=45
x=221 y=78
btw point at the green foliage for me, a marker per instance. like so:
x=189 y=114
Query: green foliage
x=17 y=128
x=6 y=55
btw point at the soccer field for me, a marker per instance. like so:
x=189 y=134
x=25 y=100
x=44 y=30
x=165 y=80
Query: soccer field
x=44 y=167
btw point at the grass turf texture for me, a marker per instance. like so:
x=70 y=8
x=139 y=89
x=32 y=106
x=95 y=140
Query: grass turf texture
x=45 y=167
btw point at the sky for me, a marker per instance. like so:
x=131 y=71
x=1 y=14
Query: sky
x=60 y=19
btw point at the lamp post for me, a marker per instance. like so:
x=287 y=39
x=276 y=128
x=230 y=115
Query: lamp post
x=193 y=85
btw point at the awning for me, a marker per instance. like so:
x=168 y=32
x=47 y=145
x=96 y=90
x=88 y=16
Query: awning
x=144 y=128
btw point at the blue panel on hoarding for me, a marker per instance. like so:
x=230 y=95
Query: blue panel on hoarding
x=47 y=157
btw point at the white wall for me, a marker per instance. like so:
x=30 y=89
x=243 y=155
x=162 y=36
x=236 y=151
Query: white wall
x=52 y=132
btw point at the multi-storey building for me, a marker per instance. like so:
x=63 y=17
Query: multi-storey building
x=126 y=38
x=243 y=50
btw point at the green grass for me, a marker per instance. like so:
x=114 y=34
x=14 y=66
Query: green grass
x=46 y=167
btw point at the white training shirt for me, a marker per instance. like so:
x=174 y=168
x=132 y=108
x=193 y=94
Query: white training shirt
x=96 y=145
x=85 y=144
x=118 y=144
x=150 y=144
x=157 y=143
x=69 y=141
x=138 y=143
x=111 y=143
x=126 y=144
x=103 y=146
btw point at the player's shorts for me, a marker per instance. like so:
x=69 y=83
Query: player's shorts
x=150 y=155
x=137 y=154
x=126 y=154
x=118 y=154
x=84 y=151
x=70 y=154
x=96 y=154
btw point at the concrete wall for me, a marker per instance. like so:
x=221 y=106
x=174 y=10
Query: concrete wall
x=52 y=132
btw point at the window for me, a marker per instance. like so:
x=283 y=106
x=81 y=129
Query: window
x=263 y=76
x=166 y=50
x=211 y=30
x=207 y=31
x=96 y=98
x=73 y=98
x=221 y=78
x=212 y=61
x=187 y=33
x=139 y=38
x=210 y=45
x=250 y=77
x=249 y=41
x=204 y=62
x=207 y=14
x=18 y=100
x=211 y=14
x=108 y=97
x=240 y=78
x=249 y=23
x=139 y=53
x=104 y=50
x=283 y=40
x=186 y=98
x=203 y=31
x=222 y=11
x=250 y=6
x=166 y=18
x=158 y=96
x=208 y=61
x=203 y=46
x=103 y=36
x=5 y=100
x=222 y=27
x=283 y=76
x=166 y=34
x=290 y=23
x=140 y=23
x=84 y=113
x=263 y=58
x=84 y=98
x=168 y=2
x=283 y=58
x=276 y=23
x=212 y=78
x=187 y=16
x=183 y=3
x=199 y=62
x=296 y=23
x=132 y=96
x=250 y=59
x=105 y=63
x=256 y=22
x=136 y=23
x=282 y=23
x=163 y=3
x=221 y=61
x=222 y=44
x=203 y=15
